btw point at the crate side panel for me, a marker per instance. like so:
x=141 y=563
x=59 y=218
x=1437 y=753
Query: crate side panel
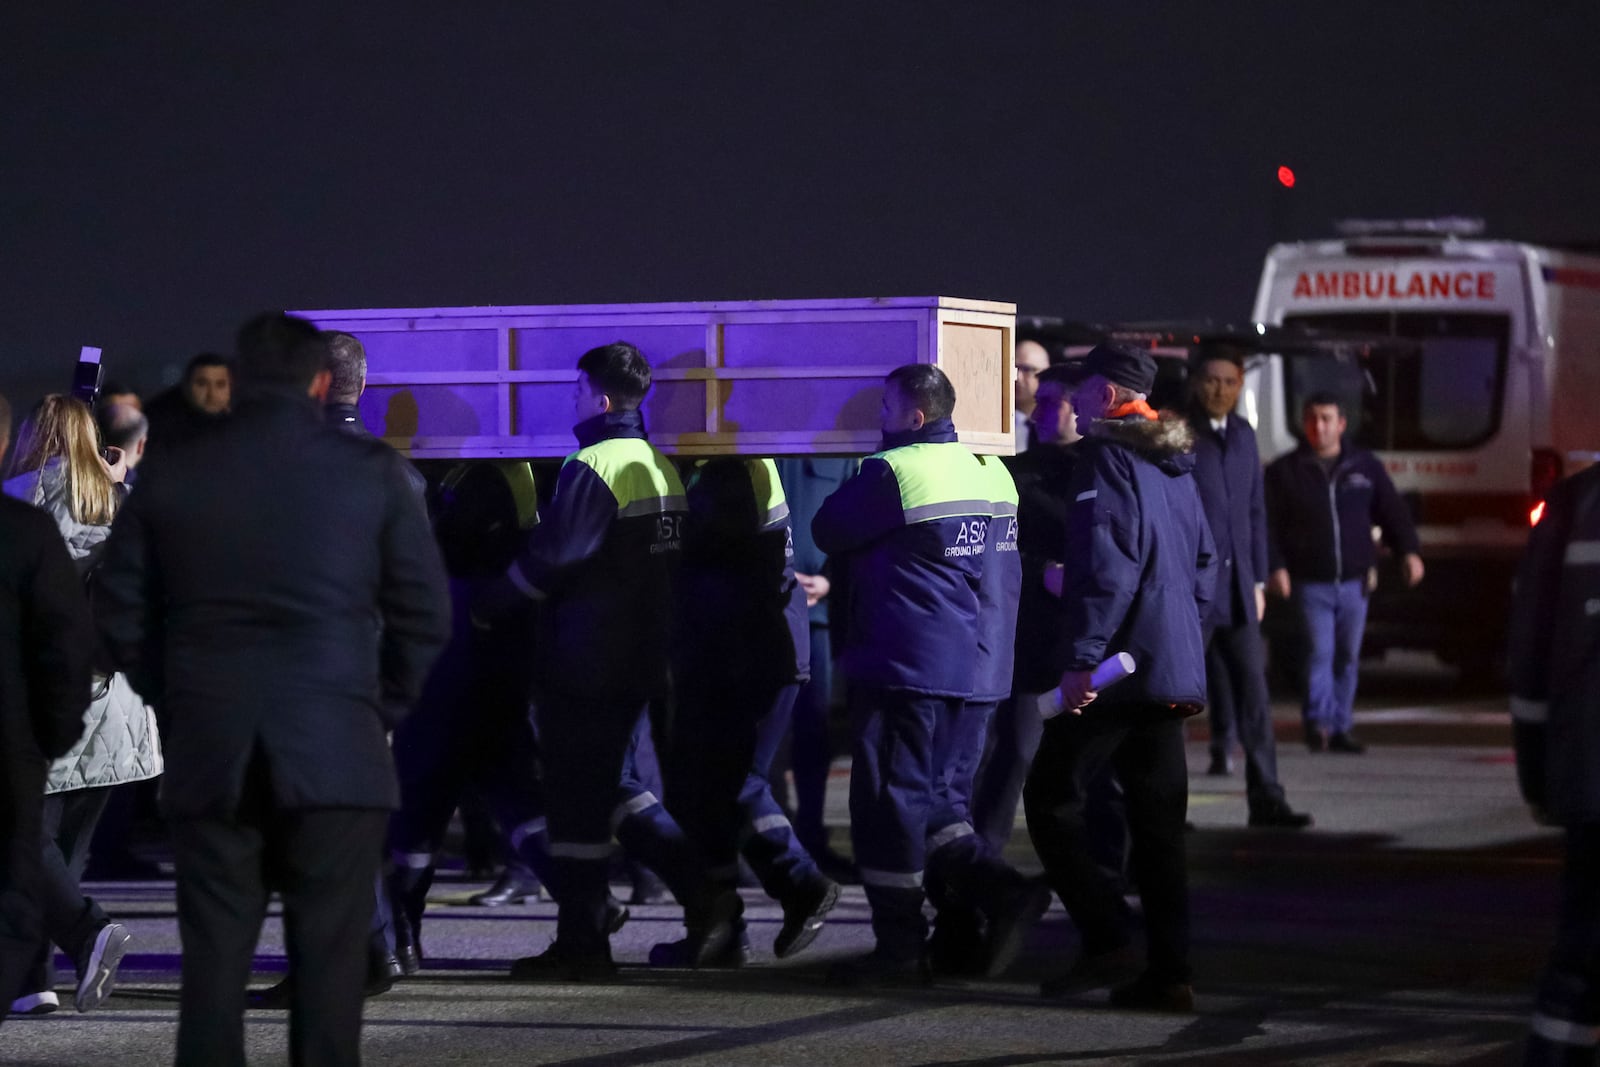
x=791 y=405
x=558 y=347
x=819 y=344
x=403 y=412
x=974 y=359
x=399 y=351
x=544 y=409
x=676 y=407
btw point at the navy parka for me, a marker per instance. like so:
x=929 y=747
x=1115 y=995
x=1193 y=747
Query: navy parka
x=1140 y=563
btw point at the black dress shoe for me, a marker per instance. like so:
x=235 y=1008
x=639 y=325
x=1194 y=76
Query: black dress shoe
x=382 y=972
x=1279 y=816
x=559 y=964
x=510 y=888
x=1316 y=740
x=1343 y=742
x=1093 y=972
x=273 y=998
x=1147 y=994
x=1221 y=766
x=409 y=958
x=680 y=954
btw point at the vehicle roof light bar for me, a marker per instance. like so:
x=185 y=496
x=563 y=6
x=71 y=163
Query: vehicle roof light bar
x=1450 y=226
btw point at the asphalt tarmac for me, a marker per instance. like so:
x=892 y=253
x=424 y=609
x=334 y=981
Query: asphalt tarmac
x=1407 y=927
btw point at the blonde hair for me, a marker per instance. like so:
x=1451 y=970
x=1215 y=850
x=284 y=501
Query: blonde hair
x=62 y=427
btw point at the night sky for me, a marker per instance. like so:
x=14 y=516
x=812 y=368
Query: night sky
x=165 y=175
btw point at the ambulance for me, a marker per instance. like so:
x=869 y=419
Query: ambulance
x=1488 y=392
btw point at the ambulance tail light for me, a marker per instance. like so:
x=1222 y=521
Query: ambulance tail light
x=1544 y=472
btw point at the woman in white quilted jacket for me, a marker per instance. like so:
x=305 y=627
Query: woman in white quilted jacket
x=57 y=466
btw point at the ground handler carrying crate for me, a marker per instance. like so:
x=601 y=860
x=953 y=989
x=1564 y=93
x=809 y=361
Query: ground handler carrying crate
x=772 y=377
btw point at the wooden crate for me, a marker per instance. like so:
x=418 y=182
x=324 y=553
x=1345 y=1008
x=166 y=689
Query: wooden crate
x=782 y=377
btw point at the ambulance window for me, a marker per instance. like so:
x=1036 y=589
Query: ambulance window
x=1443 y=394
x=1309 y=376
x=1447 y=394
x=1458 y=384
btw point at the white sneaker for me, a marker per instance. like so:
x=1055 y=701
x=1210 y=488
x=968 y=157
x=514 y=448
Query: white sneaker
x=36 y=1004
x=98 y=974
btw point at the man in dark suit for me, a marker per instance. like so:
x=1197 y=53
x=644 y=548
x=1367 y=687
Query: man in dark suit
x=1228 y=474
x=44 y=688
x=274 y=589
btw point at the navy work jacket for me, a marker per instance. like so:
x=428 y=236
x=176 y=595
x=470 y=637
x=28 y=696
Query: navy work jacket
x=999 y=587
x=603 y=558
x=912 y=524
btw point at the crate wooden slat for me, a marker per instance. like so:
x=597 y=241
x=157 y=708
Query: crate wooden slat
x=778 y=377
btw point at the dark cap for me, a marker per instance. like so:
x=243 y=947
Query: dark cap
x=1124 y=365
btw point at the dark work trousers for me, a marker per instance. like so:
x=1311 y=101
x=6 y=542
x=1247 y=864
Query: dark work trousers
x=472 y=728
x=20 y=922
x=1008 y=753
x=645 y=829
x=768 y=842
x=71 y=919
x=891 y=797
x=727 y=736
x=1566 y=1017
x=1008 y=756
x=602 y=779
x=1236 y=685
x=963 y=872
x=321 y=861
x=1143 y=744
x=811 y=749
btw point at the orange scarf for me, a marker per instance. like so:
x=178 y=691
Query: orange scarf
x=1133 y=407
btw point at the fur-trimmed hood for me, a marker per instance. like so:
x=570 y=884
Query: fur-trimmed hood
x=1167 y=442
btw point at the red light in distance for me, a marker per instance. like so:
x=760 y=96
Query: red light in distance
x=1286 y=177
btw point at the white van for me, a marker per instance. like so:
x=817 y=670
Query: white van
x=1496 y=397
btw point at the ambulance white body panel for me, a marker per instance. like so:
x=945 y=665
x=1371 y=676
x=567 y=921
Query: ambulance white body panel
x=1499 y=393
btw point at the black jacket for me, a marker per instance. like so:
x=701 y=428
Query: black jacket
x=1319 y=525
x=1553 y=652
x=46 y=643
x=1044 y=479
x=346 y=418
x=741 y=613
x=1227 y=472
x=274 y=585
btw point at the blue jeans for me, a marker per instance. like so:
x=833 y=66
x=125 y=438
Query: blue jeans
x=1335 y=613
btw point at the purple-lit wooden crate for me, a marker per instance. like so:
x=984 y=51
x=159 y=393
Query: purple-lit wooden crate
x=779 y=377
